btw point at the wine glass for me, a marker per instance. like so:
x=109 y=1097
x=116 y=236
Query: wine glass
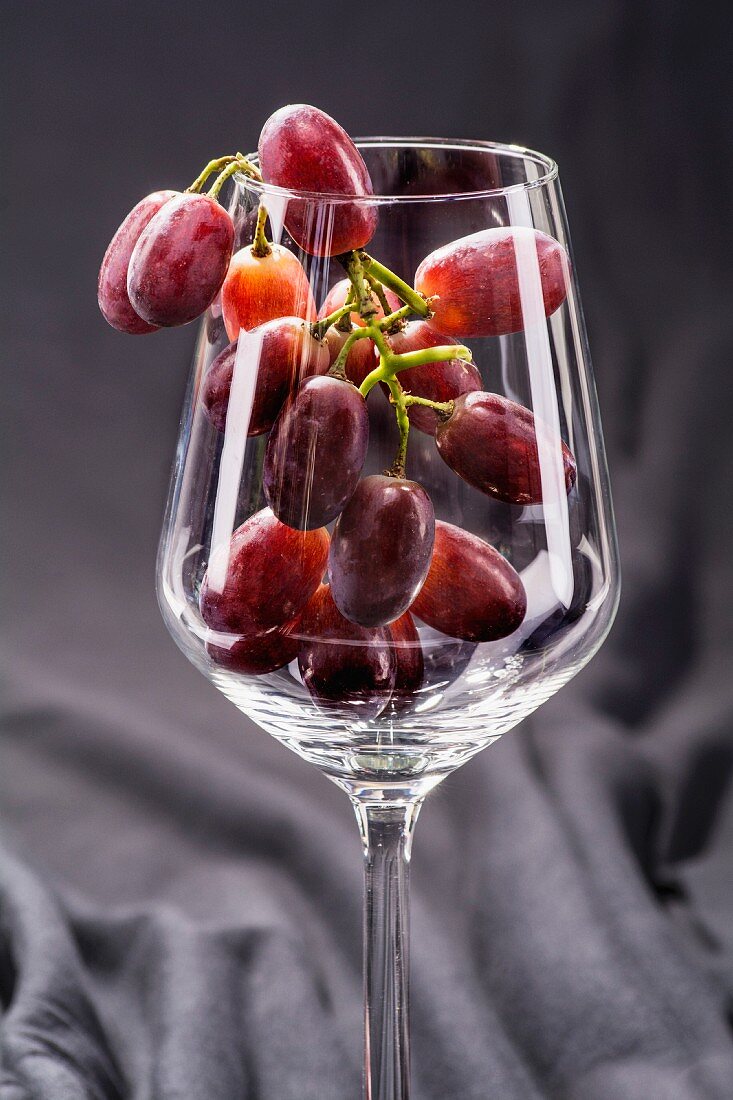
x=387 y=710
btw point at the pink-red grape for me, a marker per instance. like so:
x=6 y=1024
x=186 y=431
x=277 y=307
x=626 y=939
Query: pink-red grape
x=471 y=591
x=287 y=354
x=258 y=654
x=112 y=295
x=263 y=577
x=344 y=665
x=475 y=283
x=180 y=260
x=304 y=149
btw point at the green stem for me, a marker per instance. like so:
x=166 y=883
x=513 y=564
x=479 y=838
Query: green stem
x=260 y=244
x=379 y=374
x=338 y=367
x=379 y=291
x=240 y=164
x=402 y=289
x=444 y=409
x=438 y=354
x=364 y=303
x=320 y=328
x=403 y=423
x=213 y=166
x=392 y=322
x=391 y=364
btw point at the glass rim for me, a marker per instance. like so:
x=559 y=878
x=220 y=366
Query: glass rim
x=546 y=163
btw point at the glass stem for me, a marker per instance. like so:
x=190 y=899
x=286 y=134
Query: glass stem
x=386 y=831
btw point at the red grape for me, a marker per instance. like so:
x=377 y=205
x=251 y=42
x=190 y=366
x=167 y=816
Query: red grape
x=476 y=284
x=263 y=577
x=303 y=149
x=287 y=354
x=112 y=295
x=180 y=260
x=361 y=359
x=410 y=661
x=471 y=591
x=338 y=294
x=491 y=443
x=315 y=452
x=343 y=664
x=258 y=654
x=434 y=381
x=380 y=550
x=260 y=288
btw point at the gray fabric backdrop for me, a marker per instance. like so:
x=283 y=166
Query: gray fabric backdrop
x=180 y=897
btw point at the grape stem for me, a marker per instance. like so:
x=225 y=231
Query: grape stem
x=368 y=279
x=387 y=278
x=338 y=367
x=363 y=300
x=391 y=364
x=213 y=166
x=398 y=399
x=443 y=409
x=320 y=328
x=260 y=244
x=378 y=289
x=238 y=164
x=393 y=321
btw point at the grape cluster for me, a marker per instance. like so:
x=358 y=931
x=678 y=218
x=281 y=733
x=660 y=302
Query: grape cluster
x=388 y=560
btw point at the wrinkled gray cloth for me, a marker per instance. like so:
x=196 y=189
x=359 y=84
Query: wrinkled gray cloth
x=180 y=897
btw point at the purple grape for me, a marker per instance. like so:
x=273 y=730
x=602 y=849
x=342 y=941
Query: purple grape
x=380 y=550
x=491 y=443
x=315 y=453
x=342 y=664
x=180 y=260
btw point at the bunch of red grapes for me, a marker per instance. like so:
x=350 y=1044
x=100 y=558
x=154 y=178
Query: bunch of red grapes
x=388 y=558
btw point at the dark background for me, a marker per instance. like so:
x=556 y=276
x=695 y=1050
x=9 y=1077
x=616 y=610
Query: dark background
x=180 y=895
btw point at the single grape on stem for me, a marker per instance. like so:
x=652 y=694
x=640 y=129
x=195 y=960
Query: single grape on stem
x=315 y=453
x=114 y=301
x=303 y=149
x=263 y=577
x=287 y=353
x=264 y=281
x=380 y=550
x=179 y=262
x=473 y=282
x=491 y=443
x=471 y=591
